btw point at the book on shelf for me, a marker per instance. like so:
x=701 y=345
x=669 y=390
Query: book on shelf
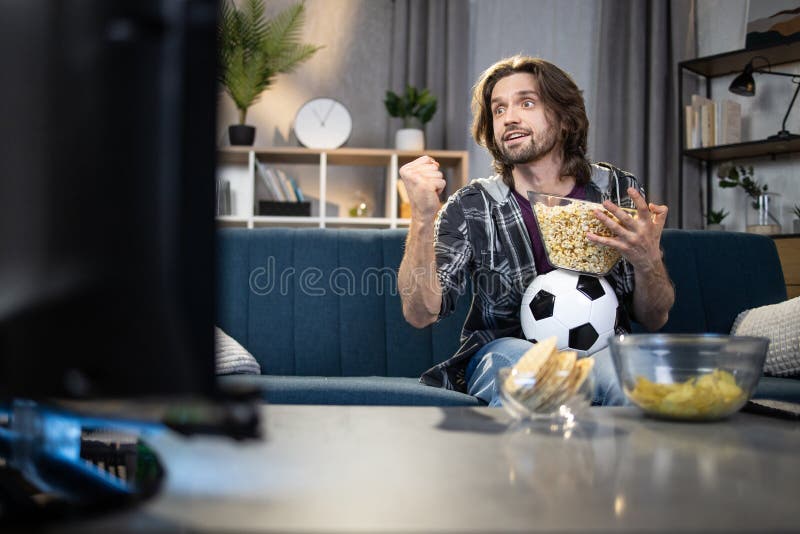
x=711 y=123
x=269 y=182
x=729 y=121
x=223 y=191
x=286 y=186
x=277 y=185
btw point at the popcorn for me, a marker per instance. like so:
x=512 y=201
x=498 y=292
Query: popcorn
x=563 y=229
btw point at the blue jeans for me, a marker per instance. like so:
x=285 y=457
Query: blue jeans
x=506 y=351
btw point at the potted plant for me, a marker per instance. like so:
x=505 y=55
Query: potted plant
x=796 y=221
x=253 y=51
x=714 y=219
x=763 y=207
x=416 y=108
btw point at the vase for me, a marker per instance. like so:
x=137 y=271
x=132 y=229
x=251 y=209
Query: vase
x=715 y=226
x=241 y=134
x=763 y=214
x=410 y=139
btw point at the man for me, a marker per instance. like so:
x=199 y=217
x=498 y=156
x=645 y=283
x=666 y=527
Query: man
x=531 y=117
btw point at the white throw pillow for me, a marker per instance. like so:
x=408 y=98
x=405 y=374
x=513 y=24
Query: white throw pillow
x=781 y=324
x=232 y=358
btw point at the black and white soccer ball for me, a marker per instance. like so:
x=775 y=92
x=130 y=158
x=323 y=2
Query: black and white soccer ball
x=578 y=309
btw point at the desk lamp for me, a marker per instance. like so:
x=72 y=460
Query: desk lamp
x=745 y=85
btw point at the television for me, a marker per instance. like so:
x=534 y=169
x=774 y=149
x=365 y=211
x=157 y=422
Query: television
x=107 y=162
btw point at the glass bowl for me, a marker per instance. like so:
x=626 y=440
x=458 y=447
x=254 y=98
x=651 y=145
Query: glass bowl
x=524 y=400
x=695 y=377
x=563 y=223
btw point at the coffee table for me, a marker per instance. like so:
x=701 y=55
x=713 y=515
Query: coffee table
x=407 y=469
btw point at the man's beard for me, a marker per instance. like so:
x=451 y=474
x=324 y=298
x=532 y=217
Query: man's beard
x=535 y=148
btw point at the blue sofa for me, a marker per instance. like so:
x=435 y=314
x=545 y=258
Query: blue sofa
x=320 y=311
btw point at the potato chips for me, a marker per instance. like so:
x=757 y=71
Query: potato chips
x=544 y=378
x=708 y=396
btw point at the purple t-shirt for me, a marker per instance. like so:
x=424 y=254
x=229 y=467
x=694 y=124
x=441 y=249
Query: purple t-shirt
x=539 y=255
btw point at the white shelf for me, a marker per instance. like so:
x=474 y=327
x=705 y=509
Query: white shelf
x=239 y=164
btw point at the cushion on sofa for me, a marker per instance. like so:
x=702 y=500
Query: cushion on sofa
x=231 y=357
x=780 y=323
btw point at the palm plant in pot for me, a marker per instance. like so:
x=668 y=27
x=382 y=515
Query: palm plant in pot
x=253 y=51
x=416 y=108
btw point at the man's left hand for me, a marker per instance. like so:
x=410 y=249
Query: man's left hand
x=638 y=238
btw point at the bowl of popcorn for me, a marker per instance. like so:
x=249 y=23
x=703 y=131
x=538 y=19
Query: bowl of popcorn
x=694 y=377
x=563 y=223
x=547 y=383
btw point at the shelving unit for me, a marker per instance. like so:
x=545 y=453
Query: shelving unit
x=710 y=67
x=455 y=163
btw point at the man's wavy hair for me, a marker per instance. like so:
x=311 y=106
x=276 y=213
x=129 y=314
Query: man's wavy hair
x=564 y=108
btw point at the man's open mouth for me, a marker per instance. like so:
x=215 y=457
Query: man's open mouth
x=511 y=136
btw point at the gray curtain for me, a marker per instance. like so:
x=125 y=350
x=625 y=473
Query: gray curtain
x=636 y=101
x=430 y=48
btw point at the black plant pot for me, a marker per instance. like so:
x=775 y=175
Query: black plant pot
x=240 y=134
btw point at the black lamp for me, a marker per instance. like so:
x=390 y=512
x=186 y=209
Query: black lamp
x=745 y=85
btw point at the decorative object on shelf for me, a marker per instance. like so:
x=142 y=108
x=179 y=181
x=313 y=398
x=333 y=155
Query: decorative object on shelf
x=323 y=123
x=764 y=214
x=281 y=208
x=762 y=208
x=745 y=85
x=252 y=51
x=362 y=207
x=781 y=28
x=416 y=108
x=714 y=219
x=796 y=221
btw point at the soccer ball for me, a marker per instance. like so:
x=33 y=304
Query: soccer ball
x=579 y=309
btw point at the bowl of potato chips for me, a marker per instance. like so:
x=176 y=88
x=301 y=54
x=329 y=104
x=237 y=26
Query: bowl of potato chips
x=547 y=383
x=563 y=223
x=694 y=377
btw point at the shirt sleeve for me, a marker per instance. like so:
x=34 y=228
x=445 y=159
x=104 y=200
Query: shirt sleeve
x=622 y=279
x=453 y=253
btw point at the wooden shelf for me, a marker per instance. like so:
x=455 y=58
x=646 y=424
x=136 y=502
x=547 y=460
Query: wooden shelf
x=734 y=62
x=725 y=64
x=243 y=158
x=750 y=149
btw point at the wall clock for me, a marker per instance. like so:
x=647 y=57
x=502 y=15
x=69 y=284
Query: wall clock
x=323 y=123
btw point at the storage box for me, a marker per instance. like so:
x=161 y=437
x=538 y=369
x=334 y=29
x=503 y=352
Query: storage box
x=293 y=209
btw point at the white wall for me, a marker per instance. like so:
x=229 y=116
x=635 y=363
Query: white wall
x=721 y=28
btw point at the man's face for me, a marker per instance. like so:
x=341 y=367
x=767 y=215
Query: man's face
x=521 y=128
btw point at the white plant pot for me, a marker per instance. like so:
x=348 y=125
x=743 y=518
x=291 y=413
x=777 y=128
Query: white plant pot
x=409 y=139
x=712 y=226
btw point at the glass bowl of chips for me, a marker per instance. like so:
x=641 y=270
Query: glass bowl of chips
x=695 y=377
x=563 y=223
x=547 y=383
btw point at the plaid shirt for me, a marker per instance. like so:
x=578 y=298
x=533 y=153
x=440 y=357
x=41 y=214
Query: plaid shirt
x=480 y=235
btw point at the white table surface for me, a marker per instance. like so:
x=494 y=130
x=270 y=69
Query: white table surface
x=408 y=469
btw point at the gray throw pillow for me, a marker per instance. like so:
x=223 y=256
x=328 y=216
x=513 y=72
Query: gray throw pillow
x=232 y=358
x=780 y=323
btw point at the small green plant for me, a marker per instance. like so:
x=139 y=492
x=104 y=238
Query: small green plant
x=252 y=50
x=732 y=176
x=413 y=105
x=716 y=217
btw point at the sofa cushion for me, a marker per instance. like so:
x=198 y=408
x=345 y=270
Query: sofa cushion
x=780 y=323
x=717 y=275
x=374 y=390
x=314 y=302
x=231 y=357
